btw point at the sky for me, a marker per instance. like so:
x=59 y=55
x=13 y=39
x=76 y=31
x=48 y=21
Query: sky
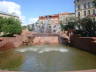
x=30 y=10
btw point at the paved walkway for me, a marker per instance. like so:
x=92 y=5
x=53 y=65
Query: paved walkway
x=94 y=70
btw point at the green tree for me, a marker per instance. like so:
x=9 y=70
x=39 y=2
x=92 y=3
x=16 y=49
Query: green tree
x=88 y=26
x=69 y=26
x=10 y=26
x=62 y=26
x=1 y=23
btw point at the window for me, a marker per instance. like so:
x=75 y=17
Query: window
x=84 y=13
x=92 y=5
x=85 y=6
x=78 y=7
x=78 y=14
x=88 y=12
x=94 y=12
x=54 y=30
x=89 y=5
x=49 y=26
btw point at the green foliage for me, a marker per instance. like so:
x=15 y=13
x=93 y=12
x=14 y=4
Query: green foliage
x=10 y=26
x=84 y=27
x=62 y=27
x=1 y=23
x=70 y=25
x=87 y=27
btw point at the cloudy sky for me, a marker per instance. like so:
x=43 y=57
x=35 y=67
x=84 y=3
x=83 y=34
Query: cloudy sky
x=30 y=10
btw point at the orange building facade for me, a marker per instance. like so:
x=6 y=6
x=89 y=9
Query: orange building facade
x=51 y=23
x=54 y=19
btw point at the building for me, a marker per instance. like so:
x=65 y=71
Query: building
x=30 y=27
x=53 y=19
x=64 y=18
x=85 y=8
x=51 y=23
x=2 y=14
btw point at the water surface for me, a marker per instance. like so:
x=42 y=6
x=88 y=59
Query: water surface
x=47 y=59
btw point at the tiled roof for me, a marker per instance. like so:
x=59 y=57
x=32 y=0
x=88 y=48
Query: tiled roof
x=66 y=13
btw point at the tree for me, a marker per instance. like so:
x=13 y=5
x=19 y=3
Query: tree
x=69 y=26
x=88 y=26
x=10 y=26
x=1 y=23
x=62 y=26
x=84 y=27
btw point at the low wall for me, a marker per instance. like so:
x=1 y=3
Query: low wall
x=85 y=43
x=39 y=40
x=14 y=42
x=10 y=42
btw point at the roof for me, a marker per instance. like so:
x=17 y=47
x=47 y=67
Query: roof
x=66 y=13
x=49 y=16
x=7 y=14
x=54 y=15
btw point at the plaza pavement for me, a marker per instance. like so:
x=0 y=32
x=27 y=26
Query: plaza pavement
x=93 y=70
